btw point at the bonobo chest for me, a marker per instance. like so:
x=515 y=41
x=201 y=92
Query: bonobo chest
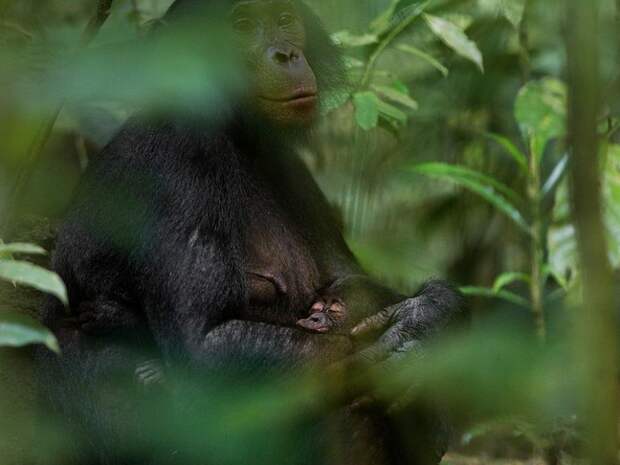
x=279 y=254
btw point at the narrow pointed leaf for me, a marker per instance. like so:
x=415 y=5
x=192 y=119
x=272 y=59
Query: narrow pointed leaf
x=455 y=38
x=490 y=293
x=34 y=276
x=396 y=96
x=17 y=247
x=511 y=149
x=424 y=56
x=17 y=330
x=486 y=187
x=505 y=279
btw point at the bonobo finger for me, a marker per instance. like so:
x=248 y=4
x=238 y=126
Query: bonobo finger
x=372 y=323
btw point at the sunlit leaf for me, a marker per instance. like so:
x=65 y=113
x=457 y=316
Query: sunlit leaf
x=384 y=21
x=347 y=39
x=366 y=109
x=556 y=176
x=396 y=96
x=455 y=38
x=490 y=293
x=27 y=274
x=17 y=330
x=491 y=190
x=540 y=110
x=424 y=56
x=30 y=249
x=508 y=278
x=511 y=149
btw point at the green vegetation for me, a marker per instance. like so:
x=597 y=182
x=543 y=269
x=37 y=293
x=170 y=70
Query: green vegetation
x=477 y=140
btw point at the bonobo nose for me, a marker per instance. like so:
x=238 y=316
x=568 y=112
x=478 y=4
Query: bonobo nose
x=283 y=55
x=319 y=318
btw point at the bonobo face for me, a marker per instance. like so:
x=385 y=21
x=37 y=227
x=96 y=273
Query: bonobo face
x=272 y=38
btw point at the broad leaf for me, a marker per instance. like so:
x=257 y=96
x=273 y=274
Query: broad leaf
x=17 y=330
x=366 y=109
x=33 y=276
x=511 y=149
x=424 y=56
x=540 y=110
x=455 y=38
x=492 y=191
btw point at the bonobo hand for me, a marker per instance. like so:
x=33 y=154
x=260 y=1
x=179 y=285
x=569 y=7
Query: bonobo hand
x=407 y=323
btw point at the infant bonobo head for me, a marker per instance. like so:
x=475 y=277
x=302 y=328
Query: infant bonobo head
x=326 y=315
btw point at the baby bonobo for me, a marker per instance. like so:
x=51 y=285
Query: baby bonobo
x=327 y=315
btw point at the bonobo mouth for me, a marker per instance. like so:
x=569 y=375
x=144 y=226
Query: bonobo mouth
x=312 y=326
x=299 y=97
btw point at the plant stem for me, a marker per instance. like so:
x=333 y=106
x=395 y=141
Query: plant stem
x=385 y=42
x=538 y=240
x=596 y=326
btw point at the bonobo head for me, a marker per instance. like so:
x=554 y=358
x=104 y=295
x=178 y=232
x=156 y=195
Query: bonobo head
x=272 y=36
x=327 y=316
x=289 y=58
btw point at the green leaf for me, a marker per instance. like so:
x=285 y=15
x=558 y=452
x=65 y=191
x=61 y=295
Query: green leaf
x=396 y=96
x=455 y=38
x=346 y=39
x=476 y=182
x=505 y=295
x=382 y=23
x=556 y=176
x=505 y=279
x=424 y=56
x=17 y=247
x=513 y=11
x=17 y=330
x=366 y=109
x=540 y=110
x=33 y=276
x=391 y=112
x=511 y=149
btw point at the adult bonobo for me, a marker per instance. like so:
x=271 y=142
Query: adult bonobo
x=203 y=241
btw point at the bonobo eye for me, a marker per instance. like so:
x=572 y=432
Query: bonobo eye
x=286 y=19
x=244 y=26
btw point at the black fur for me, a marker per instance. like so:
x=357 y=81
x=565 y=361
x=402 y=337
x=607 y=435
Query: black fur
x=166 y=223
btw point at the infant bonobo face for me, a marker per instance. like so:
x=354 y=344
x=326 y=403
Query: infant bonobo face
x=325 y=315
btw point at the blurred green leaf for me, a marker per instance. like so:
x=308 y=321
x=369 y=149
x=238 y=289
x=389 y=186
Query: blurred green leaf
x=508 y=278
x=30 y=249
x=347 y=39
x=540 y=110
x=382 y=23
x=455 y=38
x=424 y=56
x=17 y=330
x=488 y=188
x=33 y=276
x=511 y=149
x=556 y=176
x=366 y=109
x=396 y=96
x=389 y=111
x=505 y=295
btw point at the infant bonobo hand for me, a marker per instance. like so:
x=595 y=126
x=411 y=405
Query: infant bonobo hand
x=326 y=313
